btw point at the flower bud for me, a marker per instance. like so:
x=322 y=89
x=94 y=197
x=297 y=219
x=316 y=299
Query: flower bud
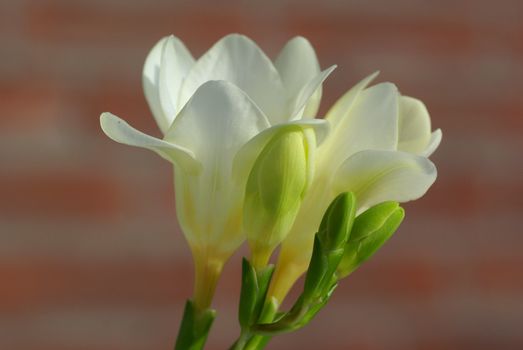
x=329 y=245
x=370 y=231
x=275 y=188
x=337 y=222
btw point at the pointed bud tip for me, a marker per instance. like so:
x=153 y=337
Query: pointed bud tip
x=371 y=230
x=375 y=217
x=337 y=222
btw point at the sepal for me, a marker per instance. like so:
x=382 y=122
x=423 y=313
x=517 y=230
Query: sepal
x=253 y=292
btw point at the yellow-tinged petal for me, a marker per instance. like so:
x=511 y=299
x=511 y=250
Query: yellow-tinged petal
x=215 y=124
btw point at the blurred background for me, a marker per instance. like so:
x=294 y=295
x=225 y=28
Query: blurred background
x=91 y=256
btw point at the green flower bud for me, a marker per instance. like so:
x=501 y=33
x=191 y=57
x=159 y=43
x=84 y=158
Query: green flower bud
x=337 y=222
x=329 y=245
x=370 y=231
x=275 y=188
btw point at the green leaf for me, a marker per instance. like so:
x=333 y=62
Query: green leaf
x=370 y=231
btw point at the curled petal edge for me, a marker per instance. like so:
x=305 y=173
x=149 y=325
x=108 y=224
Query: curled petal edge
x=120 y=131
x=376 y=176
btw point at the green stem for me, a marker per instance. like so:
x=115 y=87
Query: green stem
x=257 y=341
x=242 y=341
x=194 y=327
x=207 y=271
x=253 y=307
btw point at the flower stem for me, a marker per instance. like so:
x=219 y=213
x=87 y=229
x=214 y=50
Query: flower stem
x=260 y=257
x=207 y=273
x=241 y=342
x=194 y=327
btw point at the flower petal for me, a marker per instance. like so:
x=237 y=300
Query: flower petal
x=435 y=139
x=413 y=125
x=238 y=60
x=343 y=106
x=371 y=123
x=307 y=102
x=174 y=58
x=119 y=131
x=376 y=176
x=176 y=63
x=215 y=123
x=297 y=64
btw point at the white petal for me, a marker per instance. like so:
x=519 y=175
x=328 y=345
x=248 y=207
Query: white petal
x=119 y=131
x=297 y=64
x=435 y=139
x=343 y=106
x=371 y=123
x=215 y=123
x=179 y=61
x=315 y=130
x=413 y=125
x=307 y=101
x=176 y=63
x=378 y=176
x=238 y=60
x=150 y=81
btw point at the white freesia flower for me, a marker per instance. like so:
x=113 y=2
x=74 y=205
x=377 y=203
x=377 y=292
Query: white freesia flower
x=378 y=149
x=216 y=114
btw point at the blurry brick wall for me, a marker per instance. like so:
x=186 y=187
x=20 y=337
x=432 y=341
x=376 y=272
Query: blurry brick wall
x=90 y=253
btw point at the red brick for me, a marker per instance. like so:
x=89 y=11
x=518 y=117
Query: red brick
x=499 y=275
x=403 y=279
x=80 y=22
x=472 y=188
x=383 y=32
x=32 y=285
x=28 y=104
x=124 y=99
x=59 y=194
